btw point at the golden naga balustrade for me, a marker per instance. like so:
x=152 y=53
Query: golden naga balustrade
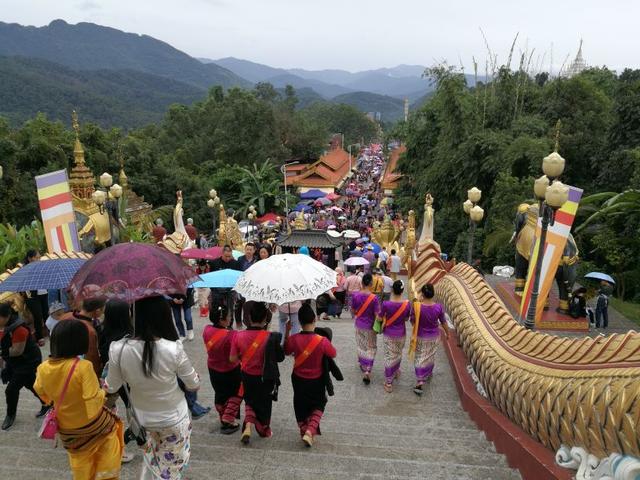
x=582 y=392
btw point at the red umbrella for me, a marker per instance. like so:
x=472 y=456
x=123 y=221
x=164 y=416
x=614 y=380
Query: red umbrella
x=268 y=217
x=130 y=272
x=199 y=254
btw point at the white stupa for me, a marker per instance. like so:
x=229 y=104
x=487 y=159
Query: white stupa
x=578 y=64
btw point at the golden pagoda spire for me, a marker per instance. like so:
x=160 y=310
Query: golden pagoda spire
x=81 y=179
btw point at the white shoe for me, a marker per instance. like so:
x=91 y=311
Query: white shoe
x=189 y=335
x=127 y=456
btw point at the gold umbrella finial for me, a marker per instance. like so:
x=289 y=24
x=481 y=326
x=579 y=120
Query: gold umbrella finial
x=74 y=123
x=557 y=146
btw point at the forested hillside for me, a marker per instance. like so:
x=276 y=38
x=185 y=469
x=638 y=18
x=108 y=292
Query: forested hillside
x=232 y=140
x=125 y=98
x=494 y=137
x=89 y=46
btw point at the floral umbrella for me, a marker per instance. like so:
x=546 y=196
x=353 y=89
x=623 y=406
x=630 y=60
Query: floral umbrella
x=130 y=272
x=285 y=278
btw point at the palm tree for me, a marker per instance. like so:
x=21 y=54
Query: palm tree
x=613 y=204
x=261 y=186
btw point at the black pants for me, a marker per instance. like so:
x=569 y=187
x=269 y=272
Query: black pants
x=18 y=381
x=238 y=311
x=38 y=305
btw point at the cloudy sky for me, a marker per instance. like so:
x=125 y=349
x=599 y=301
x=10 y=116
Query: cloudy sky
x=363 y=34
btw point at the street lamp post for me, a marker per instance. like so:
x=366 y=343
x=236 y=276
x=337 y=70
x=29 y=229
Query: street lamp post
x=283 y=169
x=212 y=203
x=551 y=195
x=252 y=215
x=476 y=214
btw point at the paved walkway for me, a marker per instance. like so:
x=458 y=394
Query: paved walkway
x=367 y=433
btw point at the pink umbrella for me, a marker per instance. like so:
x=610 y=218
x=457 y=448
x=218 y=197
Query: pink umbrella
x=130 y=272
x=199 y=254
x=333 y=196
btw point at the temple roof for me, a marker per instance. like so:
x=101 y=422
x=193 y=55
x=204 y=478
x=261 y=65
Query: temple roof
x=308 y=238
x=328 y=171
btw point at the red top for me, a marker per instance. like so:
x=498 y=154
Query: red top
x=242 y=340
x=218 y=354
x=311 y=368
x=19 y=335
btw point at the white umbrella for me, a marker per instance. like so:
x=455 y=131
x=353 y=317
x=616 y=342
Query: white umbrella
x=247 y=228
x=356 y=261
x=351 y=234
x=285 y=278
x=333 y=233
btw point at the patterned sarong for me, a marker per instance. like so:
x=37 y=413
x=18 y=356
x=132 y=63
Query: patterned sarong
x=424 y=361
x=366 y=344
x=167 y=452
x=393 y=347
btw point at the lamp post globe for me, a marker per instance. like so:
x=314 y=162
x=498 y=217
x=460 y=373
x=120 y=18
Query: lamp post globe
x=557 y=194
x=212 y=193
x=98 y=197
x=467 y=206
x=211 y=203
x=116 y=191
x=106 y=180
x=540 y=187
x=476 y=214
x=553 y=165
x=474 y=194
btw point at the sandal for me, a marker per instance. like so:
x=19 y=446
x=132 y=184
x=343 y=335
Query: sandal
x=246 y=434
x=418 y=390
x=388 y=387
x=307 y=438
x=366 y=379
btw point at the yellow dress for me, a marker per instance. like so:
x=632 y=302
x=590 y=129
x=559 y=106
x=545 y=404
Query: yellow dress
x=82 y=403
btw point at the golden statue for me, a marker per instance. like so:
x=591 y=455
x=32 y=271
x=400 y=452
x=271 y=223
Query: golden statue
x=179 y=240
x=234 y=235
x=222 y=229
x=386 y=234
x=410 y=243
x=300 y=223
x=99 y=224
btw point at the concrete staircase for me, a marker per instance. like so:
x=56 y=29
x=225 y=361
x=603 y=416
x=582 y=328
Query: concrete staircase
x=367 y=433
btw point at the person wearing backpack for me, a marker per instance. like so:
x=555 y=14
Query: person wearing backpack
x=259 y=353
x=365 y=306
x=309 y=388
x=21 y=357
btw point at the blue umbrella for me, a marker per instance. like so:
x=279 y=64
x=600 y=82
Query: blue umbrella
x=226 y=278
x=43 y=275
x=312 y=194
x=600 y=276
x=376 y=248
x=302 y=207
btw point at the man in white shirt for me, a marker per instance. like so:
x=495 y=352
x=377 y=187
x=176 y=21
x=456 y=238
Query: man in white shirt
x=394 y=263
x=388 y=285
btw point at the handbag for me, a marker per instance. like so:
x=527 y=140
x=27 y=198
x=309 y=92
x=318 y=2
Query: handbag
x=134 y=428
x=49 y=428
x=377 y=325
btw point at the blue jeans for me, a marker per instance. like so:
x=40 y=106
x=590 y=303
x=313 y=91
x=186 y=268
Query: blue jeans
x=177 y=318
x=295 y=323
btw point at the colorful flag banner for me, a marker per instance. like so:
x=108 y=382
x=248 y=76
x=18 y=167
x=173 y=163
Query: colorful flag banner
x=58 y=219
x=557 y=235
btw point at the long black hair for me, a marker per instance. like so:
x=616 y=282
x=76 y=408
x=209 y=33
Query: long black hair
x=117 y=320
x=153 y=320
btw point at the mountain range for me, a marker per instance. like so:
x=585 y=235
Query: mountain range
x=127 y=79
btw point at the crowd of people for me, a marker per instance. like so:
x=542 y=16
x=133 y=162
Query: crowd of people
x=102 y=352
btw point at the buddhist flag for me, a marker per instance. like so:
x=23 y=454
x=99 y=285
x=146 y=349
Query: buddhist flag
x=557 y=235
x=56 y=209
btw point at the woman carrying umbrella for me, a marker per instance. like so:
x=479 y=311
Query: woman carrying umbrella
x=151 y=363
x=365 y=306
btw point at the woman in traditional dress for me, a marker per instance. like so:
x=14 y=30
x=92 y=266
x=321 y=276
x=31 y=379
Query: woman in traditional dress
x=151 y=364
x=224 y=375
x=427 y=317
x=394 y=313
x=309 y=396
x=91 y=434
x=365 y=306
x=259 y=353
